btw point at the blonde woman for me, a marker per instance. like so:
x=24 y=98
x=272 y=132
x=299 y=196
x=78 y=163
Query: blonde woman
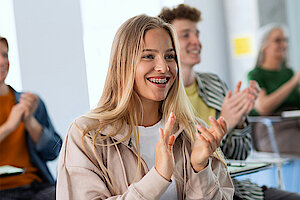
x=142 y=141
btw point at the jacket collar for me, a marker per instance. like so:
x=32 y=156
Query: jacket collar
x=202 y=92
x=16 y=94
x=200 y=84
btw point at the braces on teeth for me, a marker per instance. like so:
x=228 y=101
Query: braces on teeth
x=156 y=80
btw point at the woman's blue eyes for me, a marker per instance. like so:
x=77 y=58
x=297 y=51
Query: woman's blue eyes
x=171 y=56
x=148 y=57
x=152 y=57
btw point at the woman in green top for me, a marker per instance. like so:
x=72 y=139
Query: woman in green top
x=279 y=92
x=279 y=85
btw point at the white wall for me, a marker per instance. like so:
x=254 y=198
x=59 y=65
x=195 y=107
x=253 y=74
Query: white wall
x=224 y=21
x=293 y=16
x=49 y=35
x=213 y=36
x=241 y=22
x=101 y=19
x=8 y=30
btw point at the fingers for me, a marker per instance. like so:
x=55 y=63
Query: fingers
x=253 y=84
x=237 y=97
x=228 y=96
x=171 y=142
x=169 y=127
x=164 y=135
x=253 y=90
x=208 y=137
x=238 y=87
x=250 y=107
x=240 y=104
x=252 y=93
x=234 y=103
x=216 y=129
x=29 y=97
x=30 y=101
x=216 y=132
x=223 y=124
x=161 y=136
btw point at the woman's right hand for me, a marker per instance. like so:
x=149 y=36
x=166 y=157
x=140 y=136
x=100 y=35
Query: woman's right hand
x=206 y=143
x=296 y=76
x=163 y=150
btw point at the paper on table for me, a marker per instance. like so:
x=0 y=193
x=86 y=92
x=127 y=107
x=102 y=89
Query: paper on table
x=240 y=168
x=291 y=113
x=10 y=170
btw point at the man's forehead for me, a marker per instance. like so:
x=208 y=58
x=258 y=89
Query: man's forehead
x=185 y=26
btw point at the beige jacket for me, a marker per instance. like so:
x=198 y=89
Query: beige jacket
x=81 y=177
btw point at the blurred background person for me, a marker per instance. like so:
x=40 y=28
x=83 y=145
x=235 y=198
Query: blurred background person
x=279 y=84
x=209 y=96
x=279 y=90
x=27 y=140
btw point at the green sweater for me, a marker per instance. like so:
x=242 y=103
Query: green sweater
x=271 y=80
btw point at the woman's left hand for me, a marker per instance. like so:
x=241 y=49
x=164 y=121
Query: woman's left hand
x=207 y=142
x=164 y=150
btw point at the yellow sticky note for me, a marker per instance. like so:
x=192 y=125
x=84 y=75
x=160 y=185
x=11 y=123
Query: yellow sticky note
x=242 y=46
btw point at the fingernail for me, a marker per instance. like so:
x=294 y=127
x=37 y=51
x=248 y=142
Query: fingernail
x=172 y=115
x=211 y=118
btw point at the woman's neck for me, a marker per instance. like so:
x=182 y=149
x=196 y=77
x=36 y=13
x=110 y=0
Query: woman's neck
x=188 y=75
x=4 y=89
x=271 y=64
x=151 y=114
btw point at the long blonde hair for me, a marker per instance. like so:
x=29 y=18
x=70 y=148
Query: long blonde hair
x=120 y=104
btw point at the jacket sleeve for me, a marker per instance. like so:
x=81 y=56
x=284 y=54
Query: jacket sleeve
x=212 y=183
x=237 y=144
x=81 y=177
x=49 y=143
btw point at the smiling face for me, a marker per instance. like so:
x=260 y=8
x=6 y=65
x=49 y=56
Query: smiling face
x=276 y=45
x=190 y=46
x=157 y=68
x=4 y=63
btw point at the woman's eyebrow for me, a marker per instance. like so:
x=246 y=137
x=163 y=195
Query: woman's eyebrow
x=150 y=50
x=168 y=50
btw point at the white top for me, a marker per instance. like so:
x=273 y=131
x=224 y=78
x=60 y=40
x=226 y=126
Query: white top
x=149 y=137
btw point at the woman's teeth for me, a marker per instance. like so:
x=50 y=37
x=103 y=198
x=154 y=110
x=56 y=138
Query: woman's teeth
x=158 y=80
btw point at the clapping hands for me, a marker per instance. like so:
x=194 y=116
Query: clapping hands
x=206 y=143
x=22 y=111
x=238 y=104
x=164 y=150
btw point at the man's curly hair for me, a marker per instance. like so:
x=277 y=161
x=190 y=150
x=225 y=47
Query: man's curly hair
x=181 y=11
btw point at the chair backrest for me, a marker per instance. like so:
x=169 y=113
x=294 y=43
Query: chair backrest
x=276 y=134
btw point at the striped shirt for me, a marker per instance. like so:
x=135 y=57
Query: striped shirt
x=237 y=143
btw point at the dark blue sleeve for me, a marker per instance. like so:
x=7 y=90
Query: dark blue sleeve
x=49 y=143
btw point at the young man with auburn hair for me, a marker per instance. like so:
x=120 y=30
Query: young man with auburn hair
x=210 y=97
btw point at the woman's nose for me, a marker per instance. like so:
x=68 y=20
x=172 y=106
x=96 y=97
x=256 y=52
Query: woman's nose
x=161 y=65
